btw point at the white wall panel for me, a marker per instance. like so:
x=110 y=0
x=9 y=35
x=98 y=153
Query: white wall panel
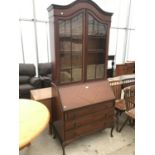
x=28 y=42
x=42 y=42
x=25 y=9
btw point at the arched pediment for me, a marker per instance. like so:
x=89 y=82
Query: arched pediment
x=76 y=5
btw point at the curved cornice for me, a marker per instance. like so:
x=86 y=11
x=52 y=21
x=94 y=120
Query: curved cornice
x=54 y=6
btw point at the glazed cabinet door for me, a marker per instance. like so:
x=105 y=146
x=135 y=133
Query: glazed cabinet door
x=96 y=48
x=71 y=48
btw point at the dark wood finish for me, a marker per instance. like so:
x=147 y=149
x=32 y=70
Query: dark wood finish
x=79 y=45
x=79 y=42
x=126 y=68
x=82 y=109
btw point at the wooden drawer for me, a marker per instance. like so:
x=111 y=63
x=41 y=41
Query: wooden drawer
x=88 y=128
x=87 y=119
x=74 y=114
x=70 y=124
x=97 y=116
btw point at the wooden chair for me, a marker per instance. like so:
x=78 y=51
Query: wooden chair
x=120 y=106
x=129 y=97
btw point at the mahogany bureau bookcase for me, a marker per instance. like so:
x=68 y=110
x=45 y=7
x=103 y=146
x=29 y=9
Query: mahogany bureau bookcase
x=79 y=39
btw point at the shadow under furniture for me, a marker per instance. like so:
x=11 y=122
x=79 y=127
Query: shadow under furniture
x=44 y=71
x=27 y=80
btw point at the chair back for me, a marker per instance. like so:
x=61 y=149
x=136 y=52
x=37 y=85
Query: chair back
x=44 y=69
x=129 y=96
x=116 y=86
x=27 y=70
x=128 y=82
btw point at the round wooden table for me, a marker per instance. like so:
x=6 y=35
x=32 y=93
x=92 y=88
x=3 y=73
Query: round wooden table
x=34 y=118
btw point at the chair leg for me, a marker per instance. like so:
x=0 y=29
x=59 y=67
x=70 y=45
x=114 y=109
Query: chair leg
x=117 y=120
x=54 y=133
x=63 y=149
x=124 y=124
x=111 y=133
x=50 y=129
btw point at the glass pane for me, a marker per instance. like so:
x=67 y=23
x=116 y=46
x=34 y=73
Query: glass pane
x=96 y=28
x=76 y=60
x=76 y=74
x=77 y=25
x=96 y=47
x=95 y=58
x=64 y=28
x=71 y=47
x=65 y=76
x=65 y=61
x=102 y=29
x=90 y=72
x=95 y=67
x=77 y=46
x=99 y=71
x=65 y=45
x=96 y=43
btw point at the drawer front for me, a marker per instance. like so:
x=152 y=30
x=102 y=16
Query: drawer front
x=97 y=116
x=74 y=114
x=86 y=119
x=88 y=128
x=70 y=124
x=92 y=127
x=106 y=115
